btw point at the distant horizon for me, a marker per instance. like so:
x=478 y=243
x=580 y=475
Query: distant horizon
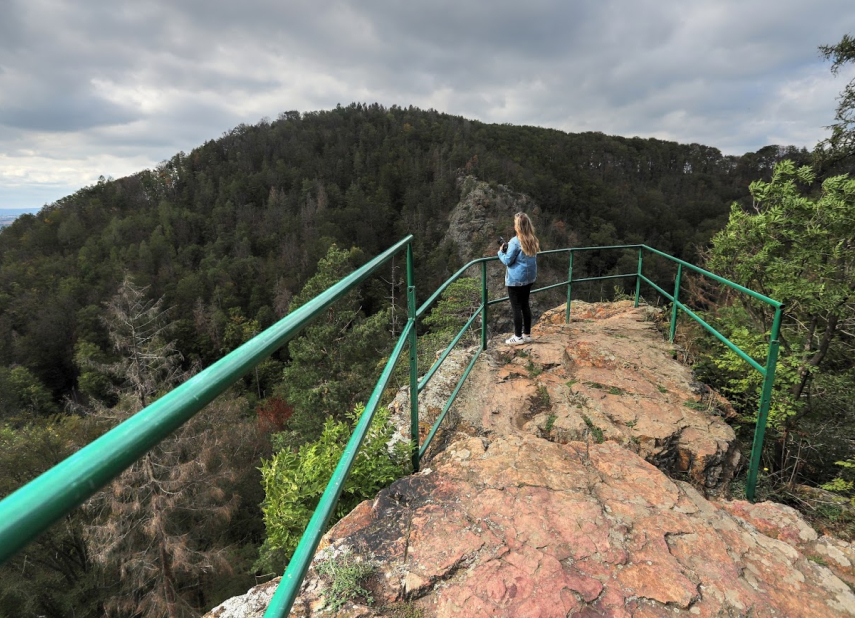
x=19 y=210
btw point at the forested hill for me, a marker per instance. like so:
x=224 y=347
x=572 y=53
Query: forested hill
x=229 y=232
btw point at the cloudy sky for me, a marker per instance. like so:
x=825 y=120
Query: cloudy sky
x=109 y=87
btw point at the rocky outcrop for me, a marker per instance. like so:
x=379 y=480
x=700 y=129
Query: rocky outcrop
x=607 y=375
x=520 y=526
x=545 y=500
x=485 y=212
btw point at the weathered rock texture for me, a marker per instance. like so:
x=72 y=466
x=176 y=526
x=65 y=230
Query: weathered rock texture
x=524 y=527
x=608 y=375
x=432 y=399
x=508 y=522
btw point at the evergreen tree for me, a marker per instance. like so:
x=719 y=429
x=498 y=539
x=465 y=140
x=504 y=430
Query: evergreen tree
x=334 y=363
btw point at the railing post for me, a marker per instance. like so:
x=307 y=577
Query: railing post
x=414 y=360
x=569 y=288
x=483 y=305
x=638 y=278
x=765 y=402
x=676 y=300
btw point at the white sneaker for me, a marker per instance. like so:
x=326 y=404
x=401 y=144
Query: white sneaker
x=514 y=340
x=527 y=338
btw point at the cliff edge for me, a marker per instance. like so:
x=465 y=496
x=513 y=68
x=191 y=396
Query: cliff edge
x=579 y=477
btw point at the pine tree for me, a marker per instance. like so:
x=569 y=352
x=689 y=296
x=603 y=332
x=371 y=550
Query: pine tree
x=334 y=361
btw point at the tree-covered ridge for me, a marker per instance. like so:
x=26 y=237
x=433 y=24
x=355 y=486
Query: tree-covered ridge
x=233 y=229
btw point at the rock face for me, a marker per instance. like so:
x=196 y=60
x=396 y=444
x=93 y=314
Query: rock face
x=550 y=504
x=521 y=526
x=484 y=213
x=608 y=375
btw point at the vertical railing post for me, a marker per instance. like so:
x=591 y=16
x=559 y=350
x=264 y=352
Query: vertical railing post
x=414 y=360
x=638 y=278
x=765 y=403
x=569 y=287
x=676 y=300
x=483 y=305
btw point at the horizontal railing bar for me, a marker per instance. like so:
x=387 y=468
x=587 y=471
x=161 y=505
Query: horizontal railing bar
x=569 y=249
x=558 y=285
x=289 y=585
x=724 y=340
x=605 y=277
x=30 y=510
x=720 y=337
x=707 y=273
x=440 y=418
x=448 y=349
x=657 y=288
x=426 y=305
x=549 y=287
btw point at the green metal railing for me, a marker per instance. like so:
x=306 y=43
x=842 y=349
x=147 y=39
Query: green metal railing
x=32 y=509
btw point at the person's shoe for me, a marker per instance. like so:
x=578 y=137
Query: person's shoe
x=527 y=338
x=514 y=340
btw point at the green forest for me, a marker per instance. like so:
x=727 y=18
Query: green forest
x=112 y=296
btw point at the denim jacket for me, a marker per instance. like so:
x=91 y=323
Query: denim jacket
x=522 y=269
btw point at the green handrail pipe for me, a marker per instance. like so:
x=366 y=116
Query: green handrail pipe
x=676 y=300
x=414 y=359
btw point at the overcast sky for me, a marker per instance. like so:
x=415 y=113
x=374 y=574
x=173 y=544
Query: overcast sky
x=94 y=87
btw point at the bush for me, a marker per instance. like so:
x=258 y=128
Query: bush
x=294 y=481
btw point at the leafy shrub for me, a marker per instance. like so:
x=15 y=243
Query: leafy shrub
x=294 y=481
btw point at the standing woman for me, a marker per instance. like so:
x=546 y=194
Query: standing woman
x=520 y=257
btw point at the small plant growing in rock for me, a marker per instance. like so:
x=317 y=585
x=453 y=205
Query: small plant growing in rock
x=570 y=383
x=695 y=405
x=541 y=400
x=661 y=388
x=596 y=432
x=595 y=385
x=614 y=390
x=345 y=576
x=549 y=423
x=403 y=610
x=533 y=370
x=631 y=424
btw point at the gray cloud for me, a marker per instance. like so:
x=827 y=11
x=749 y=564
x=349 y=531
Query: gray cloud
x=90 y=88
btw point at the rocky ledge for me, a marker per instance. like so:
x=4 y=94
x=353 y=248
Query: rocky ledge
x=546 y=500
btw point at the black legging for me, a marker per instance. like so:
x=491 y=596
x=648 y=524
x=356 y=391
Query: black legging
x=519 y=305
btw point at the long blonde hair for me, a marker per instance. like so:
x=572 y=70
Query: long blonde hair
x=525 y=232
